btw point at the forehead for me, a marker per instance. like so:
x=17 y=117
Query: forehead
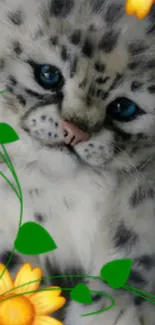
x=85 y=27
x=97 y=35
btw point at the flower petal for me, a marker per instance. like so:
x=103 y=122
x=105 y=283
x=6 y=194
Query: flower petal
x=47 y=301
x=27 y=274
x=139 y=7
x=144 y=9
x=130 y=7
x=46 y=320
x=6 y=282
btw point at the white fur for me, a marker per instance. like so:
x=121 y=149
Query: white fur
x=82 y=202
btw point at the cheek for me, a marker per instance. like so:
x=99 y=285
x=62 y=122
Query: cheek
x=99 y=150
x=144 y=124
x=44 y=124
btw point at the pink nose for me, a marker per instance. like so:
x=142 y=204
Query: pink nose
x=74 y=135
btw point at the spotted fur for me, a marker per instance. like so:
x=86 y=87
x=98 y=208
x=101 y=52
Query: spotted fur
x=96 y=200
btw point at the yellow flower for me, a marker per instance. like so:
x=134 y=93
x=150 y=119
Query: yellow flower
x=139 y=7
x=27 y=308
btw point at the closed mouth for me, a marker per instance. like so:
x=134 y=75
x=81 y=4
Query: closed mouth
x=68 y=148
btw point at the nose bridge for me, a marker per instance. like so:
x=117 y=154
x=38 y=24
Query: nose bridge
x=74 y=106
x=78 y=111
x=80 y=116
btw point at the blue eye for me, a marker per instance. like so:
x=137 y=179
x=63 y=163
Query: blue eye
x=123 y=110
x=48 y=76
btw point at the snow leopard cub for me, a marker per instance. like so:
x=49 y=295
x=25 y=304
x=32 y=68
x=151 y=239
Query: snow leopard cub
x=81 y=81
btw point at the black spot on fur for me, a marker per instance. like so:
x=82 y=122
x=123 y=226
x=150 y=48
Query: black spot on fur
x=133 y=65
x=34 y=94
x=95 y=297
x=97 y=5
x=87 y=48
x=151 y=29
x=151 y=89
x=64 y=53
x=114 y=13
x=39 y=33
x=2 y=64
x=101 y=80
x=105 y=95
x=54 y=40
x=140 y=195
x=39 y=217
x=12 y=80
x=151 y=19
x=136 y=48
x=9 y=88
x=136 y=85
x=100 y=93
x=75 y=37
x=83 y=83
x=151 y=15
x=138 y=301
x=73 y=66
x=61 y=8
x=140 y=136
x=17 y=48
x=34 y=191
x=124 y=236
x=99 y=67
x=51 y=120
x=108 y=41
x=147 y=261
x=22 y=100
x=136 y=278
x=134 y=149
x=151 y=64
x=17 y=17
x=115 y=82
x=4 y=257
x=92 y=28
x=53 y=270
x=91 y=91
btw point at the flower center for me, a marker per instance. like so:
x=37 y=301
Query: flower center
x=16 y=311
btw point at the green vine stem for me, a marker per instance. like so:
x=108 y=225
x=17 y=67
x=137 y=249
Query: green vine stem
x=5 y=157
x=144 y=295
x=140 y=293
x=3 y=91
x=64 y=289
x=19 y=194
x=51 y=278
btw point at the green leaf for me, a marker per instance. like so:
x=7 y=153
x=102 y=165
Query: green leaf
x=33 y=239
x=3 y=91
x=7 y=134
x=116 y=273
x=81 y=294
